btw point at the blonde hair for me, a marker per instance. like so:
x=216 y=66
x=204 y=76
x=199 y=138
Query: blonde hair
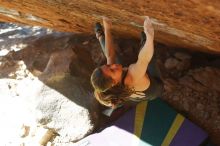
x=114 y=96
x=107 y=94
x=99 y=81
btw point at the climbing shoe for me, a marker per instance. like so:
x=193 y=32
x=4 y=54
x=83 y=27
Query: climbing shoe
x=98 y=30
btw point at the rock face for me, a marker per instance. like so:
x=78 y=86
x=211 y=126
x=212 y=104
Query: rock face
x=35 y=80
x=186 y=24
x=40 y=100
x=192 y=86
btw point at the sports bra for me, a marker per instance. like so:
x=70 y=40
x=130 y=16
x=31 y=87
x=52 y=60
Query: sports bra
x=153 y=91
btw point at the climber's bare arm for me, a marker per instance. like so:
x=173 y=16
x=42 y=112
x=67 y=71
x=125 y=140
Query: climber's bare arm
x=138 y=70
x=109 y=44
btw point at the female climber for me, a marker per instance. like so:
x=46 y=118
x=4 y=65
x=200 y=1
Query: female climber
x=114 y=84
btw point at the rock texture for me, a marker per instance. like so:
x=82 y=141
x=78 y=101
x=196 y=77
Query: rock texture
x=186 y=24
x=192 y=86
x=40 y=100
x=45 y=75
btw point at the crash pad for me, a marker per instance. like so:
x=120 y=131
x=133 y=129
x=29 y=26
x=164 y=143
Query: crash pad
x=150 y=123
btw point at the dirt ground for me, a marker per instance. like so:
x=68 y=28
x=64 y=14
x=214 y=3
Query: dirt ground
x=191 y=79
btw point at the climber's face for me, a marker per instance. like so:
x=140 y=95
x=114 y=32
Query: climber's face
x=114 y=71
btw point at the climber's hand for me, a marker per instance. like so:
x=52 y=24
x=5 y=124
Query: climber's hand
x=107 y=23
x=148 y=27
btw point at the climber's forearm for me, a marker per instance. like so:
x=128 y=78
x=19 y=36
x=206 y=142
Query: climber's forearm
x=109 y=45
x=146 y=53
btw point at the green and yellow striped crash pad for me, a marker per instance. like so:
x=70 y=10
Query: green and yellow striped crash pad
x=150 y=123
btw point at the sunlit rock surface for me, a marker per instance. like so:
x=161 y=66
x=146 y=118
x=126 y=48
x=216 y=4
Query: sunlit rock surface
x=40 y=100
x=190 y=24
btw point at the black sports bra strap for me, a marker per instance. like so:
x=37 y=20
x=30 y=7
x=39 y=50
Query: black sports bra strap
x=124 y=74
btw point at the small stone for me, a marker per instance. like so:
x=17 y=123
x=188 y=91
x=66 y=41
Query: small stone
x=49 y=143
x=171 y=63
x=85 y=43
x=42 y=135
x=183 y=65
x=9 y=86
x=182 y=56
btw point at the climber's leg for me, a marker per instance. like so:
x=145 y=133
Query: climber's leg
x=100 y=35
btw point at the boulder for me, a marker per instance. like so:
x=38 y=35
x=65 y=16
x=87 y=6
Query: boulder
x=186 y=24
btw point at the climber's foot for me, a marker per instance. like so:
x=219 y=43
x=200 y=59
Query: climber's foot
x=99 y=30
